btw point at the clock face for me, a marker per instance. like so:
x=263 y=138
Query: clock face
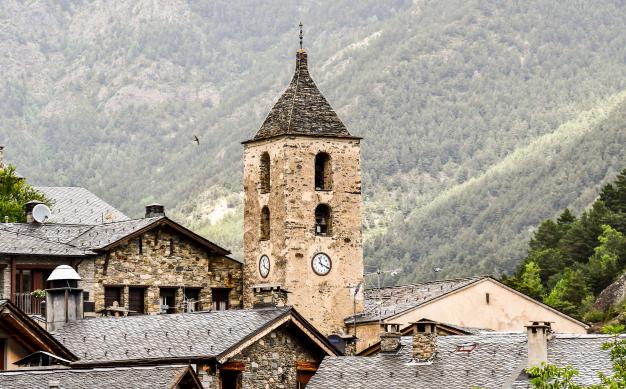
x=321 y=264
x=264 y=266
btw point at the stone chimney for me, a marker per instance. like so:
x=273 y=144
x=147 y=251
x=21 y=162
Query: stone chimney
x=424 y=341
x=64 y=301
x=389 y=338
x=538 y=333
x=28 y=209
x=155 y=210
x=268 y=295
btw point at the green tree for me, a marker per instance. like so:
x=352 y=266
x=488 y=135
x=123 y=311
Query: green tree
x=530 y=281
x=608 y=259
x=570 y=294
x=548 y=376
x=14 y=193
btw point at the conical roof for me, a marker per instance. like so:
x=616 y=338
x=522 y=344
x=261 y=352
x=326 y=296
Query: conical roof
x=302 y=110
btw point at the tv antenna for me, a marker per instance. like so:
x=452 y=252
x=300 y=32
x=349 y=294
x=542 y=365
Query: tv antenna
x=378 y=272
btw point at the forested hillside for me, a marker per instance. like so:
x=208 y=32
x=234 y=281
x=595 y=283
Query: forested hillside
x=572 y=259
x=476 y=114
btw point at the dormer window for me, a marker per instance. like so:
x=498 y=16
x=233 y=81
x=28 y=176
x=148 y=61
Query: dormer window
x=323 y=176
x=265 y=173
x=265 y=223
x=322 y=220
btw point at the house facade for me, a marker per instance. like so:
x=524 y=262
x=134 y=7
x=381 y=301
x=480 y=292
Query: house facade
x=149 y=265
x=478 y=302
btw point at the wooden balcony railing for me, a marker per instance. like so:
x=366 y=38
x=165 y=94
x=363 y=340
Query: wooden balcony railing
x=27 y=303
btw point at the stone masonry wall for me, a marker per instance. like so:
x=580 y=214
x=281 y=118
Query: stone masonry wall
x=190 y=266
x=271 y=362
x=323 y=300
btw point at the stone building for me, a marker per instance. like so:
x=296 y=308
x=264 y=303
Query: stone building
x=148 y=265
x=272 y=347
x=302 y=206
x=490 y=360
x=476 y=302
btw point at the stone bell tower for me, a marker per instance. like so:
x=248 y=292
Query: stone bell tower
x=302 y=217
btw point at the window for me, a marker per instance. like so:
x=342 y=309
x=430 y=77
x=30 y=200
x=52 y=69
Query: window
x=192 y=297
x=220 y=299
x=171 y=248
x=140 y=245
x=264 y=177
x=322 y=172
x=230 y=379
x=168 y=300
x=136 y=302
x=304 y=372
x=3 y=353
x=265 y=223
x=112 y=294
x=322 y=220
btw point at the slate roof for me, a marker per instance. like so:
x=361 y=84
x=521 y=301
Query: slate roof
x=75 y=205
x=78 y=239
x=302 y=109
x=146 y=377
x=197 y=335
x=396 y=299
x=498 y=361
x=13 y=243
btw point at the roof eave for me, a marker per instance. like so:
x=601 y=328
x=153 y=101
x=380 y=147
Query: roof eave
x=253 y=140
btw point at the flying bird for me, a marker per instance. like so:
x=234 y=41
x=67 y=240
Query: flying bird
x=195 y=139
x=437 y=269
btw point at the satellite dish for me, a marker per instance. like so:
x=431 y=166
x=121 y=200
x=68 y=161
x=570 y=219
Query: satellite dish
x=41 y=213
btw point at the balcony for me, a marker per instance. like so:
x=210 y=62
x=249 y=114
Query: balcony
x=27 y=303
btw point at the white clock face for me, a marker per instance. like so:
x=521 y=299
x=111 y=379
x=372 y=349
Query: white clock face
x=321 y=264
x=264 y=266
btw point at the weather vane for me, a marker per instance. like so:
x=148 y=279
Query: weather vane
x=300 y=35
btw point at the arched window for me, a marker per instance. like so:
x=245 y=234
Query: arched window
x=323 y=176
x=265 y=173
x=265 y=223
x=323 y=220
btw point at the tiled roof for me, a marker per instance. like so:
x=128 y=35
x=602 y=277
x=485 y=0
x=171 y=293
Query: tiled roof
x=104 y=234
x=75 y=205
x=20 y=244
x=302 y=110
x=497 y=361
x=147 y=377
x=175 y=336
x=64 y=239
x=396 y=299
x=78 y=239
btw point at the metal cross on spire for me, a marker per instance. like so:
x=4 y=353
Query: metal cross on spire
x=300 y=35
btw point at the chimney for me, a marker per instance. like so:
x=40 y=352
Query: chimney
x=155 y=210
x=28 y=209
x=64 y=301
x=268 y=295
x=389 y=338
x=424 y=340
x=538 y=333
x=349 y=349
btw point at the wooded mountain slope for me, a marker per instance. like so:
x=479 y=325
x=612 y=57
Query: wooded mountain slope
x=457 y=101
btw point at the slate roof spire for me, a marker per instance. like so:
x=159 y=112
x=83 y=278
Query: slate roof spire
x=302 y=109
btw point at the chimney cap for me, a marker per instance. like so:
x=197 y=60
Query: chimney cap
x=63 y=272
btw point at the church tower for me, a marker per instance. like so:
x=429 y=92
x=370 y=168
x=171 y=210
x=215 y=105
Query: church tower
x=302 y=207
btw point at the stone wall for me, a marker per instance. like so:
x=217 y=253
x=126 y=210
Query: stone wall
x=270 y=362
x=323 y=300
x=190 y=266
